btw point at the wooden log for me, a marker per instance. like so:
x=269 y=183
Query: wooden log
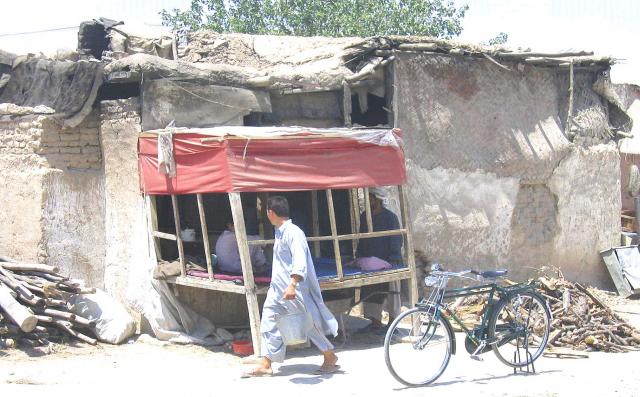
x=55 y=278
x=54 y=302
x=7 y=278
x=59 y=314
x=17 y=313
x=261 y=81
x=366 y=71
x=383 y=53
x=29 y=267
x=66 y=326
x=521 y=55
x=73 y=318
x=418 y=46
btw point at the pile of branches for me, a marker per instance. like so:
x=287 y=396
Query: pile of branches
x=582 y=321
x=35 y=307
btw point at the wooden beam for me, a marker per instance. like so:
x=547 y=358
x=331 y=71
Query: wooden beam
x=360 y=280
x=247 y=270
x=408 y=248
x=166 y=236
x=334 y=235
x=367 y=209
x=214 y=285
x=176 y=217
x=341 y=237
x=316 y=222
x=205 y=235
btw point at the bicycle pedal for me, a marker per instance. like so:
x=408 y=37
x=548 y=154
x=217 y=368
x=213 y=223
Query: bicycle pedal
x=477 y=358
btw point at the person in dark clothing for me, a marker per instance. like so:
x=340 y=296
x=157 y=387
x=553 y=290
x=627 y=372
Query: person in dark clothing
x=388 y=248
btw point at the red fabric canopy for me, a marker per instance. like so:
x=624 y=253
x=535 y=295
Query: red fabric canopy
x=291 y=162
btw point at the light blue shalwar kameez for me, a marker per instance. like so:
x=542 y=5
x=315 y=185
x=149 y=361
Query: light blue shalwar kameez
x=291 y=255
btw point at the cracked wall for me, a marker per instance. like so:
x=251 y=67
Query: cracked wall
x=493 y=180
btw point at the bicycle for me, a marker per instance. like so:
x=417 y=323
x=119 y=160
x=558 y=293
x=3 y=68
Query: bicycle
x=515 y=325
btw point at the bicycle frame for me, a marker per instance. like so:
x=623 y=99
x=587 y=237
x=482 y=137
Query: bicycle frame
x=477 y=335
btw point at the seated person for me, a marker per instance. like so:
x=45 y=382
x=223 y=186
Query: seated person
x=229 y=256
x=388 y=248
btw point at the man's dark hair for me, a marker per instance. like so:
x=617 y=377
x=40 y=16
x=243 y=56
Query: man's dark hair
x=279 y=205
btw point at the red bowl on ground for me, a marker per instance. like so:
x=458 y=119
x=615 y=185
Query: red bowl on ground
x=242 y=347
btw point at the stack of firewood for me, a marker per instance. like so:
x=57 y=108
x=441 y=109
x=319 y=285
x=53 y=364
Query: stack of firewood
x=35 y=306
x=581 y=320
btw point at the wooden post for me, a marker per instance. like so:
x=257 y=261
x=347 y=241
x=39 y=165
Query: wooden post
x=334 y=235
x=346 y=103
x=408 y=248
x=267 y=227
x=353 y=214
x=205 y=235
x=153 y=223
x=570 y=110
x=176 y=217
x=316 y=222
x=367 y=209
x=247 y=270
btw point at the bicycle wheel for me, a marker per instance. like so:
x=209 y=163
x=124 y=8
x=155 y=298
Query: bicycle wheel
x=417 y=347
x=519 y=328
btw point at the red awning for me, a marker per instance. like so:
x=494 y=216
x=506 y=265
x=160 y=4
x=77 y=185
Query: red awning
x=302 y=160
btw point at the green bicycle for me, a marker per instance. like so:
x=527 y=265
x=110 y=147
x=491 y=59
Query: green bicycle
x=515 y=325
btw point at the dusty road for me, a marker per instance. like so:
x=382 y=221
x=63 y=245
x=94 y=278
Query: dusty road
x=151 y=369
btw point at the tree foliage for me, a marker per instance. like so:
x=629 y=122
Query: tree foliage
x=337 y=18
x=501 y=38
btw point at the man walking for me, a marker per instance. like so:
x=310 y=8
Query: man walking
x=293 y=278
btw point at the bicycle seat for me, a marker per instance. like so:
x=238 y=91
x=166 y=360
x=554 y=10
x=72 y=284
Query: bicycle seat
x=492 y=273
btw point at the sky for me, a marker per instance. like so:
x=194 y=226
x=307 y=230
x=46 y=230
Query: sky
x=607 y=27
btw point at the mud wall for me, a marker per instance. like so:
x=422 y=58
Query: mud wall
x=494 y=181
x=126 y=253
x=52 y=194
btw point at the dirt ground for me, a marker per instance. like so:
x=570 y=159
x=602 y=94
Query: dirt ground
x=159 y=369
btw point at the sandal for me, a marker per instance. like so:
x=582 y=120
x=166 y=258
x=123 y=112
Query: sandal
x=257 y=373
x=324 y=371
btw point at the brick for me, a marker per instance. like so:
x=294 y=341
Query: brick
x=70 y=150
x=90 y=150
x=69 y=137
